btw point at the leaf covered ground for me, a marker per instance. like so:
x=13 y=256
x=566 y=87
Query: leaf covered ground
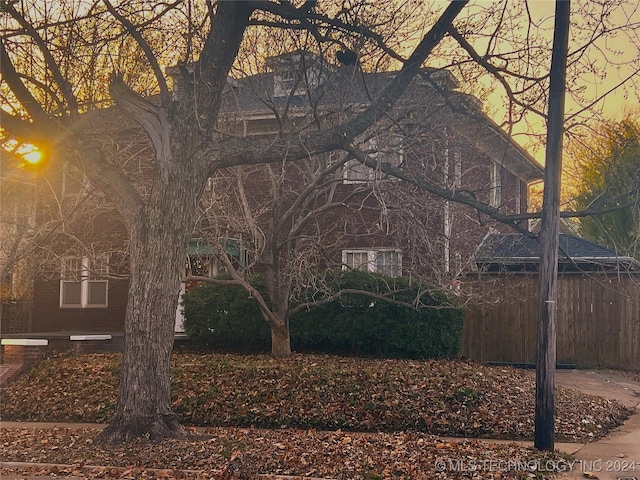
x=245 y=453
x=307 y=415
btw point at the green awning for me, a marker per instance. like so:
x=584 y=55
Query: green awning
x=198 y=246
x=232 y=246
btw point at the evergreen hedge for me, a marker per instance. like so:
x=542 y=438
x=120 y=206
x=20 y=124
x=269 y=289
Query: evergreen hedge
x=226 y=317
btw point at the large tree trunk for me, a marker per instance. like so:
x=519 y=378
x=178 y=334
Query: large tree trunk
x=158 y=248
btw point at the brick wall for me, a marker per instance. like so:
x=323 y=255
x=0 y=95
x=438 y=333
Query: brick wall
x=24 y=354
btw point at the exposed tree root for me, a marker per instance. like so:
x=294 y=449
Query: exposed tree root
x=155 y=428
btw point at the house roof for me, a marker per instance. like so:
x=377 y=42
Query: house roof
x=517 y=252
x=253 y=97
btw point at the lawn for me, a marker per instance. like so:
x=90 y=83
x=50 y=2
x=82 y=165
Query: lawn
x=310 y=415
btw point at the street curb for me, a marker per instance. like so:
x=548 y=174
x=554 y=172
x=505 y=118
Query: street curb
x=52 y=425
x=89 y=469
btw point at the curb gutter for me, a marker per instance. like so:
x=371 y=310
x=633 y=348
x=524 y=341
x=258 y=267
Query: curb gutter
x=122 y=471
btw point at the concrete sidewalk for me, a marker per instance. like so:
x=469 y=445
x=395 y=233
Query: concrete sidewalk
x=616 y=457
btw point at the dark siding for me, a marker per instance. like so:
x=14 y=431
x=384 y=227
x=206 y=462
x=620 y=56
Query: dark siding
x=49 y=317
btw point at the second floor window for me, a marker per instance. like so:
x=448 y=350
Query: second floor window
x=495 y=187
x=384 y=149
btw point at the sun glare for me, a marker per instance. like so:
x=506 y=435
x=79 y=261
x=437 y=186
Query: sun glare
x=29 y=154
x=33 y=157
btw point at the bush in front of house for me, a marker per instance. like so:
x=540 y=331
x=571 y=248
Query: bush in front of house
x=362 y=324
x=226 y=317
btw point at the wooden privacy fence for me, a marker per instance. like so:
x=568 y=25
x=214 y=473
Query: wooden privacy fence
x=598 y=319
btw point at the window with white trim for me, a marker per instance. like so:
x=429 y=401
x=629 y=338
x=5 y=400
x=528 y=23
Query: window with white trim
x=383 y=149
x=74 y=182
x=495 y=192
x=388 y=262
x=84 y=283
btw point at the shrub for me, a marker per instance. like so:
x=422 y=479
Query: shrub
x=361 y=324
x=226 y=317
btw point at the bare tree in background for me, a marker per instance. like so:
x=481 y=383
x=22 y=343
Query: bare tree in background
x=293 y=220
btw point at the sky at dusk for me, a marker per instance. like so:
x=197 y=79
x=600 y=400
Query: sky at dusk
x=615 y=60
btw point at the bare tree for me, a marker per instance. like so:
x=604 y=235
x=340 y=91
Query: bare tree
x=292 y=220
x=187 y=152
x=48 y=97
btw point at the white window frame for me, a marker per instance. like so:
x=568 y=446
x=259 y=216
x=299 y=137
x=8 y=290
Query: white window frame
x=349 y=265
x=355 y=172
x=87 y=275
x=298 y=75
x=372 y=260
x=82 y=184
x=495 y=192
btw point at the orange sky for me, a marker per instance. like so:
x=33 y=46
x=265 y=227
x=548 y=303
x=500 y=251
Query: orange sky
x=623 y=47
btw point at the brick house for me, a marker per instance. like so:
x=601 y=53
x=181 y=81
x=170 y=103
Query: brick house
x=434 y=132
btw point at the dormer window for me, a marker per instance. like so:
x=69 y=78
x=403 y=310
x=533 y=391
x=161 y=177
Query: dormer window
x=295 y=73
x=442 y=78
x=287 y=80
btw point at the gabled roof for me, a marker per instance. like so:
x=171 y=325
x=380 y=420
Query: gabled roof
x=519 y=252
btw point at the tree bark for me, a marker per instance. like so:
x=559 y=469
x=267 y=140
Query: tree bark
x=158 y=244
x=548 y=288
x=280 y=338
x=279 y=316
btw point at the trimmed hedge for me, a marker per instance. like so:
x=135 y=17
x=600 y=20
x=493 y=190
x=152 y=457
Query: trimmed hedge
x=227 y=318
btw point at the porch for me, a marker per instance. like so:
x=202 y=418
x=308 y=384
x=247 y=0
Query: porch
x=21 y=350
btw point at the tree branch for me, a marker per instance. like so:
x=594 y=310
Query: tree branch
x=239 y=151
x=151 y=58
x=65 y=86
x=24 y=96
x=492 y=70
x=23 y=129
x=152 y=118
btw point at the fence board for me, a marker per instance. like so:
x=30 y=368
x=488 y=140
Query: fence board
x=598 y=321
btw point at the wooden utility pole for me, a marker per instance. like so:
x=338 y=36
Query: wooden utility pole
x=548 y=287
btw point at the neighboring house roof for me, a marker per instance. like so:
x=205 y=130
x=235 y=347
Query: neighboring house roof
x=519 y=252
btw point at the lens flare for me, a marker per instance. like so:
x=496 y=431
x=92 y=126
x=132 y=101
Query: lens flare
x=34 y=157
